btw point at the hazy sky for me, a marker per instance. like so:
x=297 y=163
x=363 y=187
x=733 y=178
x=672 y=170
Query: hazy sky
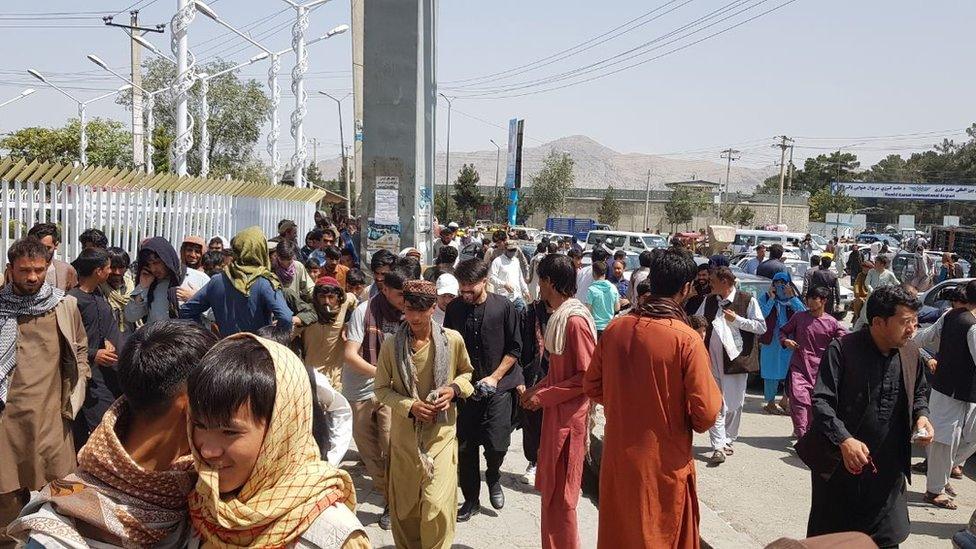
x=831 y=73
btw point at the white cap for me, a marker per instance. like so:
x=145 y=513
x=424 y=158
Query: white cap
x=447 y=284
x=453 y=225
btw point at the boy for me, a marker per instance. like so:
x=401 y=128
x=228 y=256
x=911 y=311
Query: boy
x=94 y=267
x=808 y=333
x=602 y=297
x=356 y=284
x=321 y=341
x=313 y=268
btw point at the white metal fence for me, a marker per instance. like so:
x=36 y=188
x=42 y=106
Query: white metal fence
x=130 y=206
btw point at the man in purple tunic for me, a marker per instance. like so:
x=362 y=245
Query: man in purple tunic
x=808 y=333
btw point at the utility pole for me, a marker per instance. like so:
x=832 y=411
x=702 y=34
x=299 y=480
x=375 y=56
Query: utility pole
x=315 y=150
x=783 y=145
x=179 y=25
x=345 y=171
x=447 y=163
x=138 y=159
x=647 y=201
x=357 y=103
x=789 y=183
x=498 y=157
x=730 y=154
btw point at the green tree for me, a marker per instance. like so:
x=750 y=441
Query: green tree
x=683 y=204
x=467 y=197
x=824 y=201
x=552 y=185
x=609 y=208
x=499 y=206
x=238 y=110
x=744 y=216
x=109 y=143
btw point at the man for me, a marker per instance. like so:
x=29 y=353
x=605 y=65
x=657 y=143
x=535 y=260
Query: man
x=349 y=235
x=651 y=373
x=639 y=275
x=878 y=277
x=119 y=287
x=134 y=476
x=246 y=296
x=492 y=335
x=542 y=250
x=506 y=277
x=733 y=349
x=43 y=372
x=570 y=339
x=500 y=240
x=953 y=399
x=752 y=264
x=291 y=271
x=812 y=268
x=577 y=258
x=332 y=267
x=93 y=238
x=216 y=244
x=321 y=341
x=313 y=242
x=371 y=323
x=191 y=254
x=447 y=257
x=59 y=274
x=585 y=276
x=775 y=263
x=702 y=286
x=447 y=291
x=422 y=370
x=602 y=299
x=854 y=260
x=160 y=276
x=104 y=340
x=287 y=230
x=869 y=404
x=825 y=278
x=446 y=238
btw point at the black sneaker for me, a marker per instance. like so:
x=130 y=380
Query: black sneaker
x=385 y=518
x=468 y=510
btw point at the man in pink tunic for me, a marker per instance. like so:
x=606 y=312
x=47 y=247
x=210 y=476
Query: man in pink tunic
x=808 y=333
x=570 y=339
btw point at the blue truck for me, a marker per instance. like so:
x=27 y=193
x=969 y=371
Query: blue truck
x=576 y=226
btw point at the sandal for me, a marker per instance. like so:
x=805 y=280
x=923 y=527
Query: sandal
x=940 y=500
x=921 y=467
x=949 y=490
x=956 y=472
x=729 y=450
x=771 y=408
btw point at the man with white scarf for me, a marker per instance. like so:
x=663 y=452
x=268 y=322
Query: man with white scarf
x=39 y=399
x=735 y=322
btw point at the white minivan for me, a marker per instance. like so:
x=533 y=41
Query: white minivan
x=746 y=240
x=636 y=242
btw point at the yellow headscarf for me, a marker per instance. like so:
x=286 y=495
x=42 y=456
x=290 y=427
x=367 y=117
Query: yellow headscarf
x=290 y=484
x=251 y=260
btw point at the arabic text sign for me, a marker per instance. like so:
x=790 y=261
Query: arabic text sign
x=906 y=191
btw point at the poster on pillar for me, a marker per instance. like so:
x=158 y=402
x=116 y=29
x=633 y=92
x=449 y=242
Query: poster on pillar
x=384 y=226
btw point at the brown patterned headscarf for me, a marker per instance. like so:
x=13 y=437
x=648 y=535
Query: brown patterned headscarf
x=420 y=287
x=110 y=498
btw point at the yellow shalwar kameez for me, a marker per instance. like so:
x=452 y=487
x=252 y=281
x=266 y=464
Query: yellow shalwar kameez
x=423 y=514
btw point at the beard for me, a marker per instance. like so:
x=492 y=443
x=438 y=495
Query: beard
x=702 y=287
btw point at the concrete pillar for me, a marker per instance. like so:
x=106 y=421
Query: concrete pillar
x=399 y=108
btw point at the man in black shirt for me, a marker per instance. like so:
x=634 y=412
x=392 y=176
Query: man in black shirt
x=491 y=329
x=774 y=264
x=870 y=401
x=702 y=286
x=104 y=340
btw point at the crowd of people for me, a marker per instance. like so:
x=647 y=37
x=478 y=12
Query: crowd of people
x=207 y=395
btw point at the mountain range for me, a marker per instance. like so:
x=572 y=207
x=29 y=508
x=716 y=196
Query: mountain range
x=596 y=166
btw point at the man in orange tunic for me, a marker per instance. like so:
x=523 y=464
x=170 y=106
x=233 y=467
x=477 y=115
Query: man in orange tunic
x=651 y=372
x=569 y=341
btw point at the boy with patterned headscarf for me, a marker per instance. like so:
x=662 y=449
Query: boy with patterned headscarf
x=421 y=372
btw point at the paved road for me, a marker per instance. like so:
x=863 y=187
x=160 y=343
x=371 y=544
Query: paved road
x=514 y=527
x=763 y=491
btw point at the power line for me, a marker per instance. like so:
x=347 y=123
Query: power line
x=627 y=54
x=573 y=50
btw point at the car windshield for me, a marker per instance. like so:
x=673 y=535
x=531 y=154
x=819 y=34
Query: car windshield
x=819 y=239
x=655 y=242
x=612 y=240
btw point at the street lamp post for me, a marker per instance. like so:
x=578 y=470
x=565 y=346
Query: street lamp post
x=298 y=87
x=22 y=95
x=494 y=188
x=82 y=115
x=179 y=44
x=342 y=145
x=447 y=164
x=275 y=67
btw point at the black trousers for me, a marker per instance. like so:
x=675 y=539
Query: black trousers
x=483 y=423
x=100 y=393
x=531 y=434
